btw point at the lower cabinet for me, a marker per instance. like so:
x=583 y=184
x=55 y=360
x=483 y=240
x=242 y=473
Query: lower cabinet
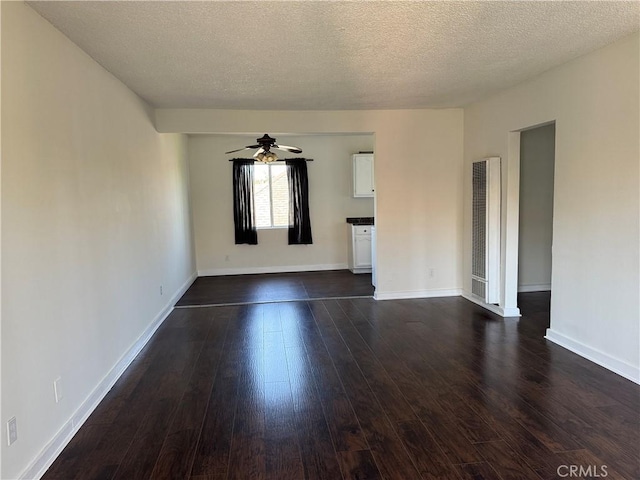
x=360 y=249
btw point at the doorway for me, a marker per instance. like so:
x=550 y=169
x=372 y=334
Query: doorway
x=535 y=231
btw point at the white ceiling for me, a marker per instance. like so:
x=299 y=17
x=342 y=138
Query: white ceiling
x=333 y=55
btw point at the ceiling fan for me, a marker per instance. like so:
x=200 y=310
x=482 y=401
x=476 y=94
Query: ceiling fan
x=264 y=146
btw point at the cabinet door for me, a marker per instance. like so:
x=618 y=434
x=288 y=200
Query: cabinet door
x=362 y=251
x=363 y=175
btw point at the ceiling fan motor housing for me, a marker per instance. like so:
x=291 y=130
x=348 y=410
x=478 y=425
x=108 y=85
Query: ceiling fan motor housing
x=265 y=142
x=264 y=145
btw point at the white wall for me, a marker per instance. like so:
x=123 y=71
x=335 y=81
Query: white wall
x=418 y=170
x=537 y=154
x=595 y=280
x=95 y=217
x=1 y=416
x=330 y=198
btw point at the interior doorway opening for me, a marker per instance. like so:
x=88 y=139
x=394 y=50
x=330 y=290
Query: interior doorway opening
x=517 y=274
x=535 y=229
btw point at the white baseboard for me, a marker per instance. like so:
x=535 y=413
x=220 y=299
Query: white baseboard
x=38 y=467
x=543 y=287
x=497 y=309
x=401 y=295
x=605 y=360
x=214 y=272
x=359 y=270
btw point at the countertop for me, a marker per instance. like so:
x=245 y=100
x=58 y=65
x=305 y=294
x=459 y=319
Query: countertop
x=360 y=220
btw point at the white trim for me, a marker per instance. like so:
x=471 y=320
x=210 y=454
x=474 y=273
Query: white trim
x=359 y=270
x=494 y=200
x=543 y=287
x=511 y=229
x=214 y=272
x=41 y=463
x=605 y=360
x=401 y=295
x=497 y=309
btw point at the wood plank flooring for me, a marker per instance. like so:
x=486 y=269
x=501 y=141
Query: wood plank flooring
x=359 y=389
x=276 y=287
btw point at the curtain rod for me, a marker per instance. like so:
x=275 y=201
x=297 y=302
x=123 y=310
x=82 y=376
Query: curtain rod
x=279 y=160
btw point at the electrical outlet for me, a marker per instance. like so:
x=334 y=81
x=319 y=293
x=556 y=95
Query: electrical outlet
x=227 y=258
x=160 y=289
x=432 y=272
x=57 y=389
x=12 y=430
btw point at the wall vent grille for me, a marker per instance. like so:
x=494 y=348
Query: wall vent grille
x=479 y=233
x=485 y=230
x=478 y=288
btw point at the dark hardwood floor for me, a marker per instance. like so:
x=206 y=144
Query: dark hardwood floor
x=359 y=389
x=276 y=287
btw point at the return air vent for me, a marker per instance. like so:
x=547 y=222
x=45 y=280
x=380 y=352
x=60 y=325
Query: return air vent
x=478 y=288
x=485 y=230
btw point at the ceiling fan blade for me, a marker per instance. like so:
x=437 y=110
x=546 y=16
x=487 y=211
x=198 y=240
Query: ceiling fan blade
x=288 y=148
x=260 y=150
x=234 y=151
x=248 y=147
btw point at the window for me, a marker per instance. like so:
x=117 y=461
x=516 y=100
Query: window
x=271 y=195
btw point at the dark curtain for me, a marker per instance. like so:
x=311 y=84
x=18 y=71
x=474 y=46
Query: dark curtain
x=299 y=221
x=243 y=215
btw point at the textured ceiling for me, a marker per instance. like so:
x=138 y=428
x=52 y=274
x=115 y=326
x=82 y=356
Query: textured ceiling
x=322 y=55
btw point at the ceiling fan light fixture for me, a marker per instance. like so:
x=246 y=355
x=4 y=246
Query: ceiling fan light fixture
x=268 y=157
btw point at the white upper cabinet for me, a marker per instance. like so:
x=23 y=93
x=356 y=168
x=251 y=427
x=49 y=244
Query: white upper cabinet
x=363 y=182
